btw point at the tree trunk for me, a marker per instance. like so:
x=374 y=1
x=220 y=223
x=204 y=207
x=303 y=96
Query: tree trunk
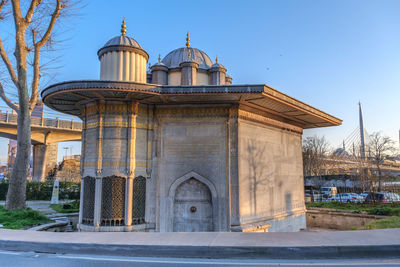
x=379 y=178
x=16 y=194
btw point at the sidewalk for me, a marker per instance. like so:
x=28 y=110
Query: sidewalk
x=300 y=245
x=40 y=205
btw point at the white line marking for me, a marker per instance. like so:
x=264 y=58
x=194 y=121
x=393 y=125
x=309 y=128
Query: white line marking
x=163 y=261
x=335 y=262
x=10 y=253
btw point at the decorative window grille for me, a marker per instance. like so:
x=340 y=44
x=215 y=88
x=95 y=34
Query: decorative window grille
x=89 y=187
x=139 y=200
x=113 y=201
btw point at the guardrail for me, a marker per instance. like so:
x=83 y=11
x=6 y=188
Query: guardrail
x=43 y=122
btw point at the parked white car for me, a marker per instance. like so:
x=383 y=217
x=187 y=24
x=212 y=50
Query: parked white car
x=394 y=197
x=347 y=198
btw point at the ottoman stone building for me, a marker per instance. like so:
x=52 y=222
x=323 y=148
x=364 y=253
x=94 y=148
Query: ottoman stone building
x=177 y=147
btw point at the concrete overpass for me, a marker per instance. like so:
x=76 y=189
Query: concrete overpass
x=44 y=131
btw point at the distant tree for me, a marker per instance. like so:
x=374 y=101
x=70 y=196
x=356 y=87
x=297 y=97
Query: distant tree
x=33 y=23
x=379 y=148
x=315 y=152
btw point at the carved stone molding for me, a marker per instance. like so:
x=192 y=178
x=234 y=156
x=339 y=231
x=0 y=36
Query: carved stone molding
x=249 y=116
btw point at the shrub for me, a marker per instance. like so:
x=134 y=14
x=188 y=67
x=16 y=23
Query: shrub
x=43 y=190
x=381 y=211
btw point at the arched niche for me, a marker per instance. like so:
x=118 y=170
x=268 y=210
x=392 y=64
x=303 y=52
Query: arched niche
x=204 y=185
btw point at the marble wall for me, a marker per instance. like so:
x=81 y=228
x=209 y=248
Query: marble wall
x=270 y=175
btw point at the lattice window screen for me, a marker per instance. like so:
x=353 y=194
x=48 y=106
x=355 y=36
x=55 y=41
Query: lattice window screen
x=113 y=201
x=139 y=200
x=89 y=187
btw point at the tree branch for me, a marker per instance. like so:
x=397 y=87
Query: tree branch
x=36 y=59
x=7 y=62
x=2 y=3
x=53 y=19
x=7 y=100
x=36 y=73
x=29 y=13
x=17 y=12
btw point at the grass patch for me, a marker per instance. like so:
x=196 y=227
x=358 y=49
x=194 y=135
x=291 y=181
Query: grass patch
x=70 y=207
x=389 y=209
x=391 y=222
x=20 y=219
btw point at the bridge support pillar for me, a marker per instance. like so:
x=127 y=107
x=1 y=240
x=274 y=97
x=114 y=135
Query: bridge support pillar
x=44 y=158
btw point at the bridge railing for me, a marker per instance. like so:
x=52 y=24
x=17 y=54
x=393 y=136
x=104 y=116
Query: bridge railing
x=44 y=122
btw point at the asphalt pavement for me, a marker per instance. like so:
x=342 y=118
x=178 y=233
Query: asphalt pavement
x=12 y=259
x=381 y=243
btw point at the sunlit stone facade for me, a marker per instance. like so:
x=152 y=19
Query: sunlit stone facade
x=186 y=150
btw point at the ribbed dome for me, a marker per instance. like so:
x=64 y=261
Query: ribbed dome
x=177 y=56
x=120 y=43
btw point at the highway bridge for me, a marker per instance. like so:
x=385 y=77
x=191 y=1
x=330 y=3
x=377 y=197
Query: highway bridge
x=44 y=131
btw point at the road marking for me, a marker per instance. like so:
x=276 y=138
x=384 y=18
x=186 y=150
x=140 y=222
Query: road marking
x=10 y=253
x=205 y=262
x=334 y=262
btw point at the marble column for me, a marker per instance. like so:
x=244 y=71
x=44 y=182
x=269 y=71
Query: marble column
x=130 y=161
x=99 y=150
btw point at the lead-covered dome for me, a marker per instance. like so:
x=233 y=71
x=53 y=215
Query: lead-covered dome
x=121 y=43
x=123 y=59
x=177 y=56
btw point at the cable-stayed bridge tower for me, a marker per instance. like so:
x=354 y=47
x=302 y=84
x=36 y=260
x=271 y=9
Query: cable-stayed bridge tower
x=362 y=133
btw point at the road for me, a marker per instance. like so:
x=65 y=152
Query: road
x=32 y=259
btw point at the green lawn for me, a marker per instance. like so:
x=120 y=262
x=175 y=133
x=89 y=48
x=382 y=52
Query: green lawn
x=20 y=219
x=391 y=222
x=70 y=207
x=390 y=209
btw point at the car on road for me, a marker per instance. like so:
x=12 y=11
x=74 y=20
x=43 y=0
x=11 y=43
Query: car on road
x=312 y=195
x=379 y=197
x=364 y=195
x=328 y=192
x=346 y=198
x=394 y=197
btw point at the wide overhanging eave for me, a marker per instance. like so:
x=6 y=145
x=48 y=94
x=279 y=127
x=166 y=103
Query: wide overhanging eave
x=65 y=96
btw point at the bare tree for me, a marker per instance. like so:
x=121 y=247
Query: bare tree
x=380 y=147
x=315 y=152
x=34 y=22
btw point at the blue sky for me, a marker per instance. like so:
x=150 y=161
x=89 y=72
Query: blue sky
x=329 y=54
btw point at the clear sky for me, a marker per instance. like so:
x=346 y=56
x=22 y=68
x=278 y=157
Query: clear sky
x=329 y=54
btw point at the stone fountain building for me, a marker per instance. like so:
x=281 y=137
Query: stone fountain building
x=177 y=147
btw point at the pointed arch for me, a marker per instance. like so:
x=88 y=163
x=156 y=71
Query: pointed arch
x=187 y=176
x=171 y=197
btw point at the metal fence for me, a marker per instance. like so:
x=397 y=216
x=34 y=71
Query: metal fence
x=43 y=122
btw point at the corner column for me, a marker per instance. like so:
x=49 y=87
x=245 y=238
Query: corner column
x=233 y=168
x=39 y=162
x=82 y=165
x=130 y=161
x=99 y=150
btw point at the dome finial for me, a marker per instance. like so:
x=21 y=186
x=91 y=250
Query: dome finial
x=159 y=58
x=187 y=40
x=189 y=53
x=216 y=59
x=123 y=27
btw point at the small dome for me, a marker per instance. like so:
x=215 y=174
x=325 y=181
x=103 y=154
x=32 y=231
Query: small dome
x=217 y=65
x=122 y=41
x=177 y=56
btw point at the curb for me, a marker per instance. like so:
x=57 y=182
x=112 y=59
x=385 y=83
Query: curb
x=244 y=252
